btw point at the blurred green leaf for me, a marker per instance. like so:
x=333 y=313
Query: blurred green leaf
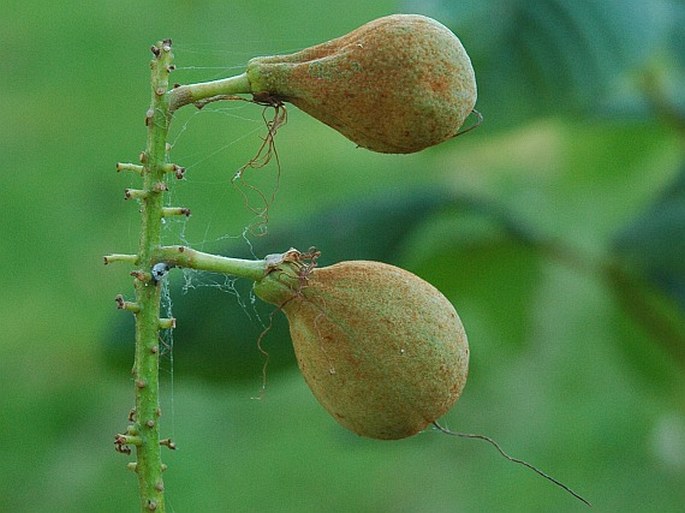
x=654 y=242
x=533 y=58
x=491 y=279
x=649 y=277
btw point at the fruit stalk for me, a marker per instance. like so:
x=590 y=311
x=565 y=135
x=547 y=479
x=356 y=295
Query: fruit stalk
x=192 y=93
x=182 y=256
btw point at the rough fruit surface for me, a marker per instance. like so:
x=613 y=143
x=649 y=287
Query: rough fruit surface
x=381 y=349
x=397 y=84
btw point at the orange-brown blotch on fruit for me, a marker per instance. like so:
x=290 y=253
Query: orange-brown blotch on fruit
x=381 y=349
x=397 y=84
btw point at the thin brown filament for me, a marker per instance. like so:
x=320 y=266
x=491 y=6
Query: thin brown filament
x=265 y=354
x=265 y=153
x=514 y=460
x=479 y=121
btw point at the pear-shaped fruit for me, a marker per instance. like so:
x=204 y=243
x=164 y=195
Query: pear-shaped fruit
x=381 y=349
x=397 y=84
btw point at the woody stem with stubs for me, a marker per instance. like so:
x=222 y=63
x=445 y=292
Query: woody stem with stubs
x=143 y=433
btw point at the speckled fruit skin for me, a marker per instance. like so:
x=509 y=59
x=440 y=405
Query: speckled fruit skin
x=381 y=349
x=397 y=84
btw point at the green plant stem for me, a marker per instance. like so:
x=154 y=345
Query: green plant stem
x=182 y=256
x=191 y=93
x=148 y=293
x=143 y=431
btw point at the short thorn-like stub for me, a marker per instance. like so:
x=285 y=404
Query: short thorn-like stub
x=123 y=443
x=141 y=276
x=160 y=187
x=177 y=170
x=117 y=257
x=166 y=442
x=122 y=304
x=135 y=194
x=135 y=168
x=167 y=323
x=175 y=211
x=120 y=301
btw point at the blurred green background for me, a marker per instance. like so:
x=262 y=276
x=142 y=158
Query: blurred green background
x=557 y=229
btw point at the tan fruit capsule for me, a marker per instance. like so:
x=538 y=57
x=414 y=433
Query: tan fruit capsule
x=381 y=349
x=397 y=84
